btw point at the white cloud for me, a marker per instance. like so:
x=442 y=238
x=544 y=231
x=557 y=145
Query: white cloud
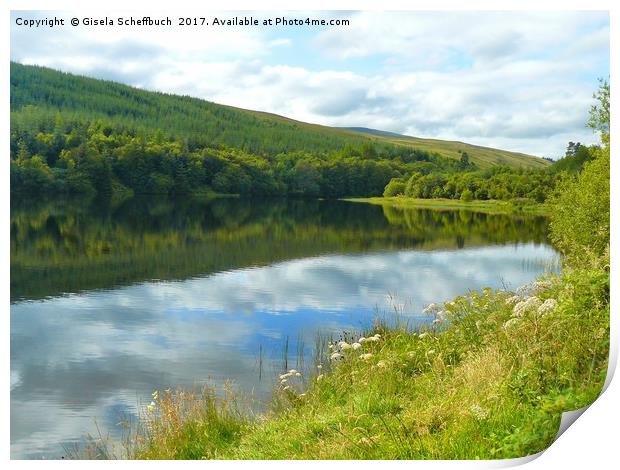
x=515 y=80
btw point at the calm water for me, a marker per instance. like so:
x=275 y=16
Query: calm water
x=112 y=301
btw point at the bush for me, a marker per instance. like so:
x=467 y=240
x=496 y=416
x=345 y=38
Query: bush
x=467 y=196
x=580 y=220
x=396 y=187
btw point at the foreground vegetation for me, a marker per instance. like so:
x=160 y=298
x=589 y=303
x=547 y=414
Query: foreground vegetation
x=488 y=377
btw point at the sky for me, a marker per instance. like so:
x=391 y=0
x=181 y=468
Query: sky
x=520 y=81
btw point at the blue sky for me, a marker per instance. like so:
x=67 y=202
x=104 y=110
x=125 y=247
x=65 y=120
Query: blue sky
x=521 y=81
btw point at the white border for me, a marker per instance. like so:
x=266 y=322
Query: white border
x=591 y=441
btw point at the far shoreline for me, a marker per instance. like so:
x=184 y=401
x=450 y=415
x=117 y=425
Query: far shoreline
x=491 y=206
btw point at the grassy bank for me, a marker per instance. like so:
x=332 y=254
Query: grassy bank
x=488 y=378
x=489 y=207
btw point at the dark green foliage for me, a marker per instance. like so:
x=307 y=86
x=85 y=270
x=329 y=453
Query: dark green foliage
x=76 y=134
x=576 y=156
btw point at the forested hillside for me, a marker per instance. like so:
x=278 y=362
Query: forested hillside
x=72 y=134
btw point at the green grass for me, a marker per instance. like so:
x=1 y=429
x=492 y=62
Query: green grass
x=489 y=207
x=481 y=383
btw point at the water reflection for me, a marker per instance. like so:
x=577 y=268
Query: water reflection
x=283 y=271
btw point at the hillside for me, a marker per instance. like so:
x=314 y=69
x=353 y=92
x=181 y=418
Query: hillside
x=481 y=156
x=202 y=123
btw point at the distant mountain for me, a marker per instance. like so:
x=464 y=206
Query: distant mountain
x=202 y=123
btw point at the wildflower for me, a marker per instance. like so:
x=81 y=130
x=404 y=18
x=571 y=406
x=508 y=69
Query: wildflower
x=373 y=339
x=542 y=284
x=155 y=395
x=319 y=366
x=377 y=336
x=283 y=381
x=284 y=376
x=365 y=357
x=523 y=289
x=151 y=407
x=412 y=354
x=436 y=321
x=336 y=356
x=319 y=377
x=479 y=412
x=442 y=315
x=382 y=364
x=430 y=308
x=342 y=344
x=297 y=374
x=292 y=371
x=512 y=300
x=423 y=335
x=286 y=388
x=345 y=347
x=430 y=352
x=361 y=340
x=512 y=322
x=527 y=305
x=356 y=346
x=548 y=306
x=302 y=395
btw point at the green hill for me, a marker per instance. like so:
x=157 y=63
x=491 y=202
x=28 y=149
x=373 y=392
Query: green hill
x=203 y=123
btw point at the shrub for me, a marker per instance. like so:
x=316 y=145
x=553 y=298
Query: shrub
x=467 y=195
x=396 y=187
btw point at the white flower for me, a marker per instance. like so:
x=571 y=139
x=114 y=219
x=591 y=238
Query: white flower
x=286 y=388
x=297 y=374
x=302 y=395
x=548 y=306
x=512 y=322
x=373 y=339
x=292 y=372
x=336 y=356
x=430 y=308
x=151 y=407
x=430 y=352
x=341 y=344
x=284 y=376
x=523 y=289
x=356 y=346
x=527 y=305
x=412 y=354
x=377 y=336
x=345 y=347
x=512 y=300
x=319 y=377
x=540 y=285
x=436 y=321
x=365 y=357
x=423 y=335
x=319 y=366
x=283 y=381
x=382 y=364
x=479 y=412
x=361 y=340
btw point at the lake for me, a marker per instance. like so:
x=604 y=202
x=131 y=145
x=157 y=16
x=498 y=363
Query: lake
x=113 y=300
